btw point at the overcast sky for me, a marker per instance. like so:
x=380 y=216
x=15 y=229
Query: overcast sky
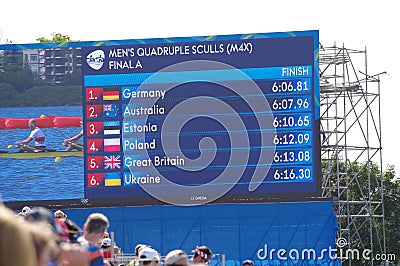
x=354 y=24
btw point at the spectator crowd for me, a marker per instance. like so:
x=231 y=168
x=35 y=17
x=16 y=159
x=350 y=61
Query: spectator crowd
x=38 y=237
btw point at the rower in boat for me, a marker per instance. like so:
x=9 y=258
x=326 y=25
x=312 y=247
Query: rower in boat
x=72 y=143
x=36 y=135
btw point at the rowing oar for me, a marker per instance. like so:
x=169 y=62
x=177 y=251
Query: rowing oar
x=27 y=148
x=73 y=144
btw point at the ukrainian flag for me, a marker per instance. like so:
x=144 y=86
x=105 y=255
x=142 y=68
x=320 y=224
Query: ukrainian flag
x=112 y=179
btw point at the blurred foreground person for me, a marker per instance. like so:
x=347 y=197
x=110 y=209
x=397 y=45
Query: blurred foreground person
x=51 y=240
x=16 y=244
x=44 y=241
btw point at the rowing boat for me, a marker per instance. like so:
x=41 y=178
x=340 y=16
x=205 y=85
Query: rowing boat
x=33 y=155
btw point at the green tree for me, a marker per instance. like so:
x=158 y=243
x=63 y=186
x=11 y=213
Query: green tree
x=56 y=37
x=392 y=211
x=363 y=182
x=74 y=78
x=9 y=96
x=18 y=77
x=53 y=96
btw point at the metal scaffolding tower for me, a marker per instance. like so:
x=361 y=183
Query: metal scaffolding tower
x=351 y=148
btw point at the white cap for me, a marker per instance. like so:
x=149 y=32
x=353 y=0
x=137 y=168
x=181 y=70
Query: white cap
x=26 y=210
x=175 y=255
x=106 y=242
x=148 y=253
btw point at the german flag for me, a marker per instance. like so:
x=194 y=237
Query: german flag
x=111 y=93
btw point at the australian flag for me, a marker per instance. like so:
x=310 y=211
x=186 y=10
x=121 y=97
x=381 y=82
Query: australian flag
x=110 y=110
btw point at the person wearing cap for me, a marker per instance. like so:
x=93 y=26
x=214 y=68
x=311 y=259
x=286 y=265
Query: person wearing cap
x=149 y=256
x=138 y=247
x=176 y=257
x=25 y=210
x=60 y=215
x=71 y=227
x=106 y=248
x=202 y=255
x=248 y=263
x=116 y=248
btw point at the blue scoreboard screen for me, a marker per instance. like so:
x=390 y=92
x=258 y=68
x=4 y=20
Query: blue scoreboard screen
x=187 y=121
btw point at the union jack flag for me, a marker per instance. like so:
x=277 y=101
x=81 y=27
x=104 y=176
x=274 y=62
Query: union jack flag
x=107 y=107
x=112 y=162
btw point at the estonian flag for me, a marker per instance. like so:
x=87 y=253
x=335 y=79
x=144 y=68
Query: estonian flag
x=111 y=94
x=112 y=128
x=112 y=179
x=112 y=145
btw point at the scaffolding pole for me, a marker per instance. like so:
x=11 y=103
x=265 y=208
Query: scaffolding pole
x=351 y=149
